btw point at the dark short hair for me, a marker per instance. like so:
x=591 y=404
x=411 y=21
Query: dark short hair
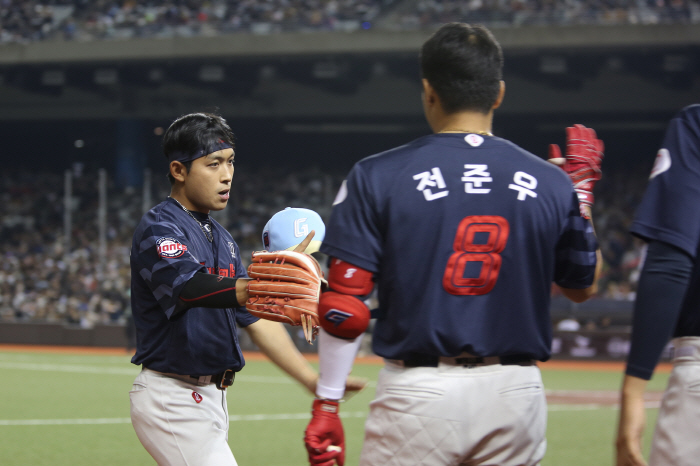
x=464 y=64
x=192 y=132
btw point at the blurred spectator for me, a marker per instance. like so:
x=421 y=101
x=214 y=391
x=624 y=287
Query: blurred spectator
x=568 y=325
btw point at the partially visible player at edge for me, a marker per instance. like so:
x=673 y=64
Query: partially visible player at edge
x=463 y=233
x=188 y=294
x=667 y=304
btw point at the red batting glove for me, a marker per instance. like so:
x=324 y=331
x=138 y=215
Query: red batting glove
x=323 y=432
x=584 y=155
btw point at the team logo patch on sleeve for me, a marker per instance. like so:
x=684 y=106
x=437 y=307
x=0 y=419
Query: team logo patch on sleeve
x=170 y=248
x=662 y=163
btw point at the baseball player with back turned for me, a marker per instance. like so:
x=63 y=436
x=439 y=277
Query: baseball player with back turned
x=188 y=295
x=667 y=304
x=463 y=233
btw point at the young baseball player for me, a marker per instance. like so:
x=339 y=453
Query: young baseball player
x=188 y=295
x=463 y=233
x=668 y=299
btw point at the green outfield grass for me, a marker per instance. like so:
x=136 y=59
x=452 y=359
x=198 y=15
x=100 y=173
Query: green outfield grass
x=73 y=410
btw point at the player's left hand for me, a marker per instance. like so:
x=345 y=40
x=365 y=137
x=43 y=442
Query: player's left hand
x=584 y=156
x=324 y=437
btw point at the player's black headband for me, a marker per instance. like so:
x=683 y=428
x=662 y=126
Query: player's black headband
x=212 y=146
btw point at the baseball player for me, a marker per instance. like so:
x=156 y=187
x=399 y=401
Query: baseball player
x=463 y=233
x=668 y=303
x=188 y=295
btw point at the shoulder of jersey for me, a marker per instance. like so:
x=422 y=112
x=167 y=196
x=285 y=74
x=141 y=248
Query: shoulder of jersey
x=691 y=114
x=158 y=213
x=394 y=152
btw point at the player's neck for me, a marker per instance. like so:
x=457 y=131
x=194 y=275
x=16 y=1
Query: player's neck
x=181 y=199
x=464 y=122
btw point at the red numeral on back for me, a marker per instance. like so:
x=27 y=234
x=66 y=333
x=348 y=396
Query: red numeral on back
x=466 y=251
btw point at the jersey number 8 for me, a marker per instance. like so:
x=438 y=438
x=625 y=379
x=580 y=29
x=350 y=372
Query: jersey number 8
x=465 y=251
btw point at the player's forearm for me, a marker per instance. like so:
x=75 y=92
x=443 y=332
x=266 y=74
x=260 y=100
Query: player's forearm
x=336 y=358
x=209 y=291
x=662 y=286
x=273 y=340
x=583 y=294
x=633 y=388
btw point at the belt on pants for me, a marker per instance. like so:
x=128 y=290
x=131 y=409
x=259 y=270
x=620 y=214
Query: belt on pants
x=222 y=379
x=465 y=361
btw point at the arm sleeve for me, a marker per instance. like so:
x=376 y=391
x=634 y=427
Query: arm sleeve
x=336 y=358
x=207 y=290
x=662 y=287
x=576 y=251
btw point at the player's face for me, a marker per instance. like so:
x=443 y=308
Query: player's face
x=208 y=184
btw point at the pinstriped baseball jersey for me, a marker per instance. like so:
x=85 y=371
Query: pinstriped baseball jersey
x=465 y=234
x=169 y=247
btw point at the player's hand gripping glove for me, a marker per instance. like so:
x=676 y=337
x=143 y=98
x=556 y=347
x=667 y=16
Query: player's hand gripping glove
x=324 y=437
x=285 y=288
x=584 y=155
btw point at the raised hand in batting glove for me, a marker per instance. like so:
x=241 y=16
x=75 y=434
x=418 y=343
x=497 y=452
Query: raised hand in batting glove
x=584 y=155
x=285 y=288
x=324 y=437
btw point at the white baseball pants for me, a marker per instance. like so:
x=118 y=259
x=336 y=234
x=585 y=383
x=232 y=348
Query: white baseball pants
x=490 y=415
x=675 y=440
x=176 y=428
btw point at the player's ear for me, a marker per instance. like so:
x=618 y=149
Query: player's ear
x=501 y=93
x=429 y=94
x=178 y=171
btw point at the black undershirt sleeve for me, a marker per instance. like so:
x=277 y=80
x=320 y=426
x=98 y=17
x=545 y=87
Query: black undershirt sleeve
x=662 y=287
x=207 y=290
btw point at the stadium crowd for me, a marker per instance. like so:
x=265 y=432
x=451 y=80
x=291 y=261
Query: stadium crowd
x=41 y=281
x=27 y=21
x=550 y=12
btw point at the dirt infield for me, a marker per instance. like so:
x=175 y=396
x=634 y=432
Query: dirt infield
x=555 y=397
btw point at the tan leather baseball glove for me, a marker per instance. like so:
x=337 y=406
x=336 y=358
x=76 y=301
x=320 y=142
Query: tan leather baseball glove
x=285 y=288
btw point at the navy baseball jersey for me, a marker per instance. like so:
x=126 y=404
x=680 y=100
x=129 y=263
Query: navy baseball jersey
x=169 y=247
x=465 y=234
x=670 y=208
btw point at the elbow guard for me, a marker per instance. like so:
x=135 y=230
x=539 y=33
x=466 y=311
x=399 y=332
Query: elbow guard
x=349 y=279
x=341 y=311
x=342 y=315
